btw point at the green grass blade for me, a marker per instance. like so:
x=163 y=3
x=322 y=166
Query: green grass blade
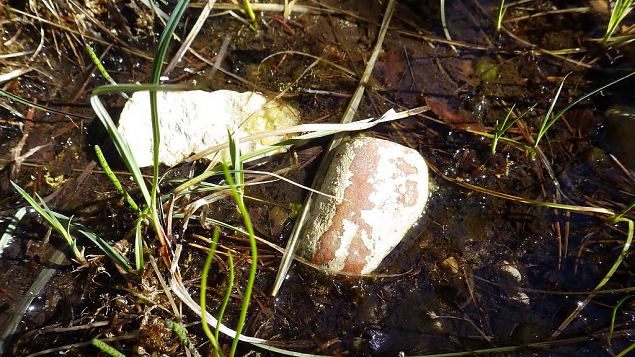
x=230 y=284
x=444 y=23
x=37 y=106
x=623 y=253
x=254 y=258
x=208 y=263
x=164 y=42
x=182 y=335
x=626 y=350
x=251 y=14
x=500 y=130
x=138 y=245
x=131 y=88
x=106 y=348
x=48 y=215
x=99 y=65
x=549 y=121
x=624 y=211
x=98 y=241
x=501 y=13
x=114 y=179
x=121 y=145
x=613 y=315
x=234 y=153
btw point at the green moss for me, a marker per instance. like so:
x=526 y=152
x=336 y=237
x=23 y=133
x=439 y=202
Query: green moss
x=487 y=70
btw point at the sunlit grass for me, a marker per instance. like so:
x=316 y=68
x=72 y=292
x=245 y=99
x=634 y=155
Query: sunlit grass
x=203 y=298
x=620 y=9
x=506 y=124
x=106 y=348
x=251 y=14
x=53 y=218
x=43 y=210
x=501 y=14
x=254 y=257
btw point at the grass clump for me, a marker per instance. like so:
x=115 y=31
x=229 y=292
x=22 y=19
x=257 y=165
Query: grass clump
x=619 y=11
x=43 y=210
x=53 y=218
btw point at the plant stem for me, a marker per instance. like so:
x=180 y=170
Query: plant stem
x=254 y=258
x=208 y=262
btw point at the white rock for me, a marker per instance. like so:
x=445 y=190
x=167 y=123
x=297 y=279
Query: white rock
x=513 y=272
x=522 y=298
x=192 y=121
x=381 y=189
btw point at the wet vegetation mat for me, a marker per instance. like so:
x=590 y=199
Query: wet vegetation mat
x=523 y=110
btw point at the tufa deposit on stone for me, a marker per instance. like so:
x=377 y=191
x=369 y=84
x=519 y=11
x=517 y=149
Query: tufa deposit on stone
x=193 y=121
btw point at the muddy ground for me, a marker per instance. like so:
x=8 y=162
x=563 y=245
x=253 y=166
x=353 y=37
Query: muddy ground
x=479 y=270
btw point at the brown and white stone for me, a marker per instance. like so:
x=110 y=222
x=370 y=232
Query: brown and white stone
x=381 y=189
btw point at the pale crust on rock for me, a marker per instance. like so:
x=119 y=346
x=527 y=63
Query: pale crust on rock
x=382 y=189
x=193 y=121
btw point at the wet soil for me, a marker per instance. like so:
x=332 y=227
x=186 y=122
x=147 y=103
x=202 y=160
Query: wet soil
x=478 y=271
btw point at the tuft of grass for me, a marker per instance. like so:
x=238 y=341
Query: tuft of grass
x=53 y=218
x=506 y=124
x=620 y=9
x=251 y=14
x=43 y=210
x=550 y=119
x=501 y=14
x=99 y=242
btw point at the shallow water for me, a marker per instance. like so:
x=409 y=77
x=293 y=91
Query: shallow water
x=453 y=290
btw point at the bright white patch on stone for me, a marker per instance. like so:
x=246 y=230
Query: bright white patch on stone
x=193 y=121
x=511 y=270
x=350 y=229
x=522 y=298
x=389 y=218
